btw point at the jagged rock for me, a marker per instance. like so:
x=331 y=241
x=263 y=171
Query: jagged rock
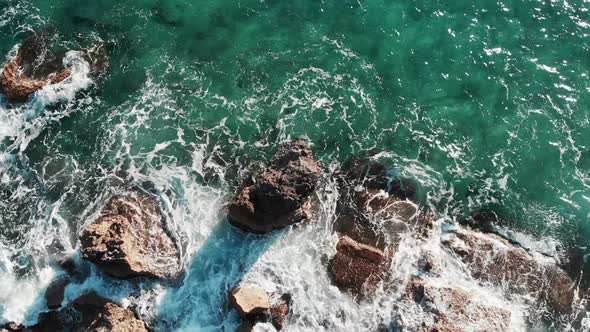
x=494 y=259
x=356 y=267
x=34 y=67
x=68 y=264
x=280 y=195
x=250 y=302
x=129 y=239
x=451 y=309
x=279 y=311
x=54 y=294
x=246 y=326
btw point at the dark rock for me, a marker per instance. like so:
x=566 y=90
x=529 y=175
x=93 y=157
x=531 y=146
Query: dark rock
x=494 y=259
x=251 y=303
x=34 y=67
x=356 y=267
x=68 y=264
x=483 y=220
x=246 y=326
x=280 y=195
x=129 y=239
x=98 y=314
x=54 y=295
x=280 y=311
x=452 y=309
x=51 y=321
x=11 y=327
x=404 y=188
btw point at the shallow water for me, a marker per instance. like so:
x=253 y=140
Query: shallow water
x=485 y=103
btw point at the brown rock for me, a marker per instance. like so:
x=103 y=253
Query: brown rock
x=250 y=302
x=246 y=326
x=494 y=259
x=101 y=315
x=279 y=312
x=453 y=309
x=281 y=193
x=129 y=240
x=34 y=67
x=55 y=293
x=356 y=267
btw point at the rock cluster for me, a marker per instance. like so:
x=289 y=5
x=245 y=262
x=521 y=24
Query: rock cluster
x=280 y=195
x=89 y=312
x=34 y=67
x=129 y=239
x=255 y=305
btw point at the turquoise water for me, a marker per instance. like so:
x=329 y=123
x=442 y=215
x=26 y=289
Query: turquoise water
x=485 y=102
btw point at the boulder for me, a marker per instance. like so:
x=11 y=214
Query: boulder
x=280 y=195
x=356 y=267
x=129 y=239
x=54 y=295
x=34 y=67
x=250 y=302
x=450 y=309
x=493 y=259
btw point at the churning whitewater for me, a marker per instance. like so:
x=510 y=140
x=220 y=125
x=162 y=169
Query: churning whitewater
x=408 y=165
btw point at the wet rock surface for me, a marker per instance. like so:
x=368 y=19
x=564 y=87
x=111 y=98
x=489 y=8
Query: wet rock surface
x=451 y=308
x=280 y=195
x=129 y=239
x=34 y=67
x=255 y=306
x=55 y=292
x=90 y=312
x=494 y=259
x=356 y=267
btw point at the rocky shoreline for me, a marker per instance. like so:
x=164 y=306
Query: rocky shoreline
x=129 y=239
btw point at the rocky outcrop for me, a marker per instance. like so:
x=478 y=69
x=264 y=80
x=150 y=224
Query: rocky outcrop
x=280 y=195
x=356 y=267
x=254 y=305
x=11 y=327
x=494 y=259
x=129 y=239
x=441 y=308
x=34 y=67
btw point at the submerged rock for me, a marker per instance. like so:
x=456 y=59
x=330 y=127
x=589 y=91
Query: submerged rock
x=11 y=327
x=280 y=195
x=494 y=259
x=129 y=239
x=442 y=308
x=356 y=267
x=34 y=67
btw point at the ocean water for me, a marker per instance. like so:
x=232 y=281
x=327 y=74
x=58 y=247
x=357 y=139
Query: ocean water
x=486 y=103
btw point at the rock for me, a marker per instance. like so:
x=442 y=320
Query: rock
x=250 y=302
x=129 y=239
x=11 y=327
x=451 y=309
x=356 y=267
x=494 y=259
x=34 y=67
x=68 y=264
x=246 y=326
x=50 y=321
x=280 y=195
x=483 y=220
x=98 y=314
x=279 y=312
x=55 y=293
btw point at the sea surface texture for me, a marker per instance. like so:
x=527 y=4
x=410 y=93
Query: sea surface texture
x=485 y=103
